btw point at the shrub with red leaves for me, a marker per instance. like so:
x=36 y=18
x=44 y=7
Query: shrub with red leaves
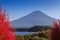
x=5 y=33
x=55 y=31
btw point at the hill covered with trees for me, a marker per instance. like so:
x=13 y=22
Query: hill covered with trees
x=33 y=29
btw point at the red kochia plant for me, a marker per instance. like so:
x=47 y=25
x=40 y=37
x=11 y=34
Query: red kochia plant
x=5 y=32
x=55 y=31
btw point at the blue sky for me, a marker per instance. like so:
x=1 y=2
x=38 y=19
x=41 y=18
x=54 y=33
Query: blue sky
x=20 y=8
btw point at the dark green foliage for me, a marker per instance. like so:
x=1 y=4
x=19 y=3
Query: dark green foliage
x=39 y=28
x=33 y=29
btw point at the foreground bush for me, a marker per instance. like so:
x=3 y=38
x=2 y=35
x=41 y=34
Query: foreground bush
x=5 y=32
x=55 y=31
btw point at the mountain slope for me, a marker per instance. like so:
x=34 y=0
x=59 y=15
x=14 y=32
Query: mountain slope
x=34 y=18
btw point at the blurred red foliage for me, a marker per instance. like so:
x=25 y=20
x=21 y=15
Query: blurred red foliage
x=55 y=31
x=5 y=32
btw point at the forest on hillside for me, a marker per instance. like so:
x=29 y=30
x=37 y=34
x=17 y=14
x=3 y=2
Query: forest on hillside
x=33 y=29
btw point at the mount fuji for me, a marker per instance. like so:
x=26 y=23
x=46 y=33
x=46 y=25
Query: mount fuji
x=33 y=19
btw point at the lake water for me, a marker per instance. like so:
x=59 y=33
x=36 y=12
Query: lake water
x=24 y=33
